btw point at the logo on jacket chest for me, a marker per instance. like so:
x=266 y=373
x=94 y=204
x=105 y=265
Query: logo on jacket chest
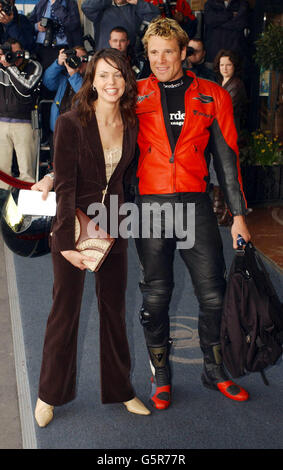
x=199 y=113
x=141 y=98
x=205 y=99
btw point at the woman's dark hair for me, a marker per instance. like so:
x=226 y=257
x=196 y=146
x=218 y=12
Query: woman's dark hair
x=85 y=98
x=233 y=57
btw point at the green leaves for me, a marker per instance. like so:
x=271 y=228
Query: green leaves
x=269 y=48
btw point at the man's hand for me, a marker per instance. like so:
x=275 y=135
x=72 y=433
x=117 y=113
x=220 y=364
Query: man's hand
x=62 y=57
x=40 y=28
x=71 y=71
x=239 y=227
x=4 y=18
x=45 y=185
x=132 y=2
x=3 y=60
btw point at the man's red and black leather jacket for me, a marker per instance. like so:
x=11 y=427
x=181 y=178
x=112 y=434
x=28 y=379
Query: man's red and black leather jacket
x=166 y=168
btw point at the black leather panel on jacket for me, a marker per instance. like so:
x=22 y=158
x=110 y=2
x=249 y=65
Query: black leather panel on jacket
x=225 y=163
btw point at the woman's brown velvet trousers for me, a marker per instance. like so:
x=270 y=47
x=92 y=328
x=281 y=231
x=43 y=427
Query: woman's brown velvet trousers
x=57 y=383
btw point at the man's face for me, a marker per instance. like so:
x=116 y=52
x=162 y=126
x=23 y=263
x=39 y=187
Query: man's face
x=121 y=2
x=118 y=40
x=199 y=53
x=165 y=58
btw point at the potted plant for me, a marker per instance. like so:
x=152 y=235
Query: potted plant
x=262 y=167
x=261 y=155
x=269 y=56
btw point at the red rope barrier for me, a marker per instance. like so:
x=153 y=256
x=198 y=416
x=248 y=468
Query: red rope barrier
x=15 y=182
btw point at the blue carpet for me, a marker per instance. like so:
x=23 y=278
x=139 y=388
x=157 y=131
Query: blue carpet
x=198 y=418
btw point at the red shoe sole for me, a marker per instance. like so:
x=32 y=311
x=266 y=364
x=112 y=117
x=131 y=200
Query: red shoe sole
x=158 y=402
x=241 y=395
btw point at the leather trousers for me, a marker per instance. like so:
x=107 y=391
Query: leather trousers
x=204 y=260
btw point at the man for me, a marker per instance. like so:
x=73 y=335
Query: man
x=180 y=11
x=16 y=26
x=178 y=115
x=196 y=60
x=61 y=28
x=65 y=77
x=105 y=14
x=119 y=39
x=225 y=24
x=19 y=79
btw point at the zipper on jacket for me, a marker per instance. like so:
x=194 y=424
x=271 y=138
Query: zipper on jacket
x=172 y=161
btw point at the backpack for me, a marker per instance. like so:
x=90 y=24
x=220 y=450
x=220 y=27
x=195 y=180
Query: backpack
x=252 y=319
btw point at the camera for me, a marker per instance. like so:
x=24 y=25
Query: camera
x=167 y=8
x=73 y=60
x=12 y=57
x=51 y=29
x=7 y=7
x=190 y=51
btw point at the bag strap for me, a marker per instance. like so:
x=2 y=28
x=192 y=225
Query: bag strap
x=257 y=265
x=263 y=376
x=104 y=192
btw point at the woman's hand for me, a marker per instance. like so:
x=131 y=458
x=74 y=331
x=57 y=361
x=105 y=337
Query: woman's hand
x=239 y=227
x=76 y=258
x=45 y=185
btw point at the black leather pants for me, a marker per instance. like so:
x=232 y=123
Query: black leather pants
x=204 y=261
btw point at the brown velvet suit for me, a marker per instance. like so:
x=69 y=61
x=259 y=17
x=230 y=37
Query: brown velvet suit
x=80 y=178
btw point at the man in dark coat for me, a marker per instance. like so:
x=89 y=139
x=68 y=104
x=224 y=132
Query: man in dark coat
x=196 y=60
x=225 y=24
x=64 y=17
x=106 y=14
x=16 y=26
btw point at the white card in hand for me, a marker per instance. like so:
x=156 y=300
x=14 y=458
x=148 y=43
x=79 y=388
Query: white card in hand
x=31 y=203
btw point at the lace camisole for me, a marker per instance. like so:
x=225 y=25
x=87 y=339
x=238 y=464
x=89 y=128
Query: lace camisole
x=112 y=157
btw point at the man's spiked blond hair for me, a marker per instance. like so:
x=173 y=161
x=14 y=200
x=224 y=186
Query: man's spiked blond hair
x=166 y=28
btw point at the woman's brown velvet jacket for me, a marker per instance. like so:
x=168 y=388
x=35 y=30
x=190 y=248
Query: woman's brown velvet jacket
x=80 y=175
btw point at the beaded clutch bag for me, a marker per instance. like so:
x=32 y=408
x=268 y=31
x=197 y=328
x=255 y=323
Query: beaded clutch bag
x=91 y=240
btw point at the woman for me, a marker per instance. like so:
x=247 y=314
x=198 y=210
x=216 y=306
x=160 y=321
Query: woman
x=227 y=67
x=94 y=144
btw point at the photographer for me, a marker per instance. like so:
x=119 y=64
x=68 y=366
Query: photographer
x=57 y=25
x=226 y=24
x=14 y=25
x=65 y=76
x=19 y=80
x=196 y=60
x=119 y=39
x=105 y=14
x=180 y=11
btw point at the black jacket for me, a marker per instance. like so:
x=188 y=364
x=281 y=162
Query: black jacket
x=67 y=12
x=18 y=89
x=19 y=28
x=224 y=27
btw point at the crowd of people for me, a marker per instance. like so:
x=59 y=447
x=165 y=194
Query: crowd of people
x=152 y=102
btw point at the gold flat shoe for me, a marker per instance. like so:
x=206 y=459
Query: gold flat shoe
x=43 y=413
x=136 y=406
